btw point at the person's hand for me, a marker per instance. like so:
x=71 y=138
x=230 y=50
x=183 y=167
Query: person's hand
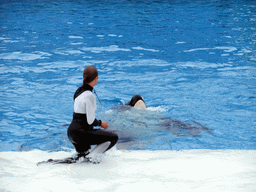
x=104 y=124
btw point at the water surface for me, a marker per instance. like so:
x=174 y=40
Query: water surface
x=192 y=61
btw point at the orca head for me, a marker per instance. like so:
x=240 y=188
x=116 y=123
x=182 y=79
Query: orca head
x=137 y=102
x=140 y=104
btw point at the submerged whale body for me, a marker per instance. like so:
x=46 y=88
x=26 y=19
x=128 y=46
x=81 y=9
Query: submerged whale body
x=140 y=127
x=180 y=128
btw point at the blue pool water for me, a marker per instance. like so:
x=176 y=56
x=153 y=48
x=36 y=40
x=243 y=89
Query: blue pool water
x=192 y=61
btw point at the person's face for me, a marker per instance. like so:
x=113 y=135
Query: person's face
x=94 y=82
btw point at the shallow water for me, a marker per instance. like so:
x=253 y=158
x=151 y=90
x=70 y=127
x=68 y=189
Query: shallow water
x=192 y=61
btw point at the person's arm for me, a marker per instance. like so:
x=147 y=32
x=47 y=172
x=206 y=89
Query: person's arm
x=103 y=124
x=90 y=103
x=90 y=113
x=96 y=122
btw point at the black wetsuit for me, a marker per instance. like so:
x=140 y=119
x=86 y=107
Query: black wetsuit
x=82 y=134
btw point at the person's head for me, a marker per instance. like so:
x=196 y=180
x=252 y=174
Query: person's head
x=90 y=75
x=137 y=102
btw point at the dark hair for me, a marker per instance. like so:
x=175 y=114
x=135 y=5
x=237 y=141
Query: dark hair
x=89 y=74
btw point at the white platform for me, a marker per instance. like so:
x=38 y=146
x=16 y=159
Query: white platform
x=120 y=171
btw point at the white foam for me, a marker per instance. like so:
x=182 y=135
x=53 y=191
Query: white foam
x=202 y=65
x=111 y=48
x=229 y=37
x=193 y=170
x=3 y=38
x=196 y=49
x=226 y=49
x=25 y=56
x=68 y=52
x=181 y=42
x=75 y=37
x=78 y=43
x=160 y=108
x=144 y=49
x=11 y=41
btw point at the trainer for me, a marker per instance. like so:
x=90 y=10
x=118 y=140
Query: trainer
x=81 y=131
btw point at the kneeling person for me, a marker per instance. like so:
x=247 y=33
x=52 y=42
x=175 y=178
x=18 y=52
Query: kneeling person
x=81 y=131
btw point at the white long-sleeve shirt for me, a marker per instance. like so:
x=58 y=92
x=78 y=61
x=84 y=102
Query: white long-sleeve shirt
x=85 y=103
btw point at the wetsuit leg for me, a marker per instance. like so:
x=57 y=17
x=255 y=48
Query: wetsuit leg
x=98 y=136
x=81 y=148
x=78 y=138
x=82 y=140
